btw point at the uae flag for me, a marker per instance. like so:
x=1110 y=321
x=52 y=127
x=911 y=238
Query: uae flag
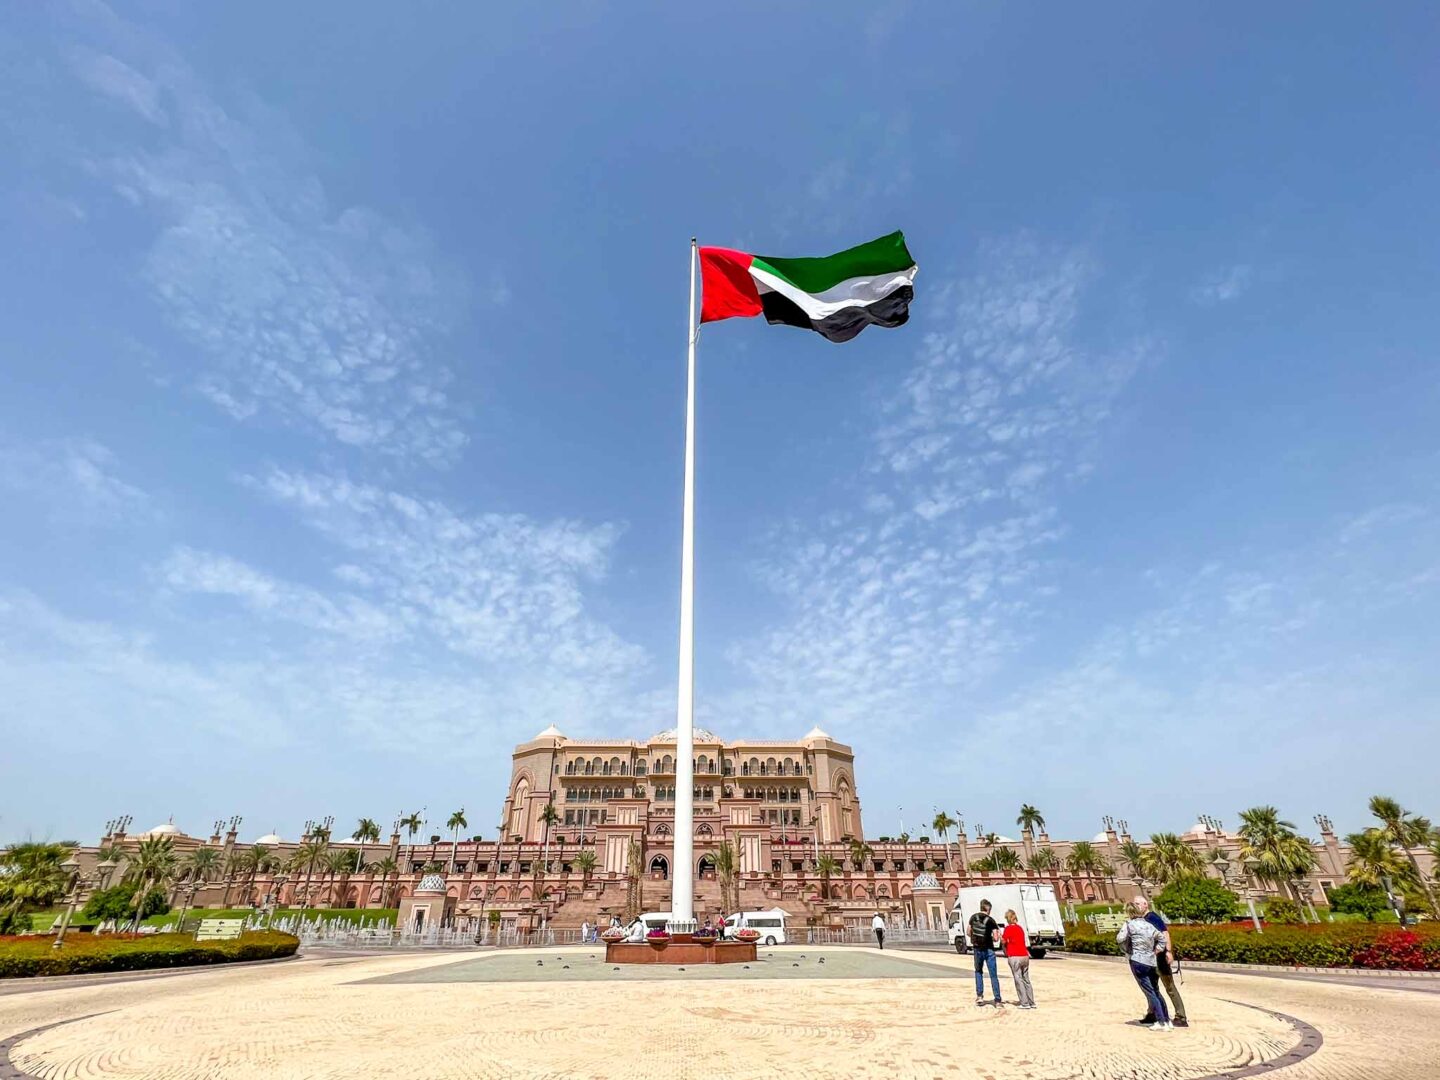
x=837 y=295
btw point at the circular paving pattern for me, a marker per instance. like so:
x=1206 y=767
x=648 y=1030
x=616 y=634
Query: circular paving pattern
x=375 y=1017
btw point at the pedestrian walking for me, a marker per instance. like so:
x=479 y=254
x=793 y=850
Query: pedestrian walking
x=878 y=925
x=1141 y=941
x=1017 y=953
x=1167 y=963
x=983 y=932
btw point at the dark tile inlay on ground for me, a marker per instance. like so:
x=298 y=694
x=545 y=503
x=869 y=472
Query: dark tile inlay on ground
x=588 y=965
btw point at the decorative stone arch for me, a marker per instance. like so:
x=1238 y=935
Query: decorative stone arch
x=477 y=893
x=402 y=892
x=705 y=865
x=525 y=893
x=788 y=765
x=615 y=766
x=667 y=763
x=845 y=793
x=859 y=892
x=377 y=894
x=662 y=829
x=703 y=830
x=453 y=890
x=834 y=892
x=906 y=890
x=518 y=797
x=502 y=894
x=660 y=865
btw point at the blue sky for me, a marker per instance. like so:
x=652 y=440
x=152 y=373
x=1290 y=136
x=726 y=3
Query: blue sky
x=341 y=403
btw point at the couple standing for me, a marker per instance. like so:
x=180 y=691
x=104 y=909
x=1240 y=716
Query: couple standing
x=986 y=935
x=1146 y=941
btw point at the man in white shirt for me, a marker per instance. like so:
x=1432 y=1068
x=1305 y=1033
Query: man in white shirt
x=878 y=925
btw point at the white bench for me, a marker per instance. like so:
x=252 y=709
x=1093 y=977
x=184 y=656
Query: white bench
x=219 y=929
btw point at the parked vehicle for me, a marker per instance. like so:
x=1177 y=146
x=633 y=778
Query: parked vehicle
x=769 y=924
x=1035 y=907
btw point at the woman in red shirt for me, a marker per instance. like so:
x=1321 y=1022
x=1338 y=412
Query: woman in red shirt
x=1017 y=952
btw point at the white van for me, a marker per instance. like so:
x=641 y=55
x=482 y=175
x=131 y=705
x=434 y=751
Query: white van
x=655 y=920
x=1035 y=907
x=769 y=924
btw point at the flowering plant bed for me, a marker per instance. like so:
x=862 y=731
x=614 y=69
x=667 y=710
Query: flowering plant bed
x=747 y=935
x=23 y=957
x=703 y=939
x=657 y=937
x=613 y=935
x=1337 y=945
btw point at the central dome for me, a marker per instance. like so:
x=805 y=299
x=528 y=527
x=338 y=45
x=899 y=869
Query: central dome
x=673 y=735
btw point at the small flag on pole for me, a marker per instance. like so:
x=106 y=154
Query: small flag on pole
x=836 y=296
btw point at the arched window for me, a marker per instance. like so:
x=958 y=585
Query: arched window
x=660 y=865
x=703 y=830
x=589 y=769
x=662 y=830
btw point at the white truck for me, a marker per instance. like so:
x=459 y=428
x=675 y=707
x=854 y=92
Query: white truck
x=1035 y=907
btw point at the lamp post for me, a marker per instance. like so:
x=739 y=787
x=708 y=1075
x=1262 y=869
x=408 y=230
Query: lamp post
x=1233 y=877
x=191 y=888
x=73 y=885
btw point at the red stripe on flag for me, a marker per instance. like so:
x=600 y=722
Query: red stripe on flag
x=728 y=290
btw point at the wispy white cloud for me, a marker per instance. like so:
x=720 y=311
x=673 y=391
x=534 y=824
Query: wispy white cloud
x=894 y=608
x=76 y=478
x=327 y=318
x=1223 y=286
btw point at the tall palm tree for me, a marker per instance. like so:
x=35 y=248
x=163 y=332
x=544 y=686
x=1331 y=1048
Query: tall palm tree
x=258 y=860
x=366 y=832
x=1134 y=856
x=633 y=855
x=385 y=867
x=942 y=825
x=234 y=866
x=339 y=865
x=999 y=859
x=455 y=822
x=586 y=861
x=859 y=853
x=1372 y=860
x=1083 y=859
x=310 y=854
x=549 y=816
x=411 y=825
x=826 y=866
x=1030 y=821
x=727 y=866
x=1170 y=859
x=153 y=866
x=201 y=864
x=1406 y=831
x=1273 y=851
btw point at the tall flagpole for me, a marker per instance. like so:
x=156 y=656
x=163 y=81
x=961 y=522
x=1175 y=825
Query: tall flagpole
x=682 y=902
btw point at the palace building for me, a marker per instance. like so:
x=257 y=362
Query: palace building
x=586 y=832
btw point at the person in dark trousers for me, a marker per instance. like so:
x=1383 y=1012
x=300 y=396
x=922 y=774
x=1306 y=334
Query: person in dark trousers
x=983 y=931
x=1140 y=941
x=1168 y=965
x=878 y=925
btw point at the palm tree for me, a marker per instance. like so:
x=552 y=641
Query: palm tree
x=1030 y=821
x=32 y=878
x=201 y=864
x=586 y=861
x=455 y=822
x=385 y=867
x=727 y=865
x=338 y=865
x=366 y=832
x=1134 y=856
x=310 y=854
x=153 y=866
x=411 y=825
x=859 y=852
x=999 y=859
x=942 y=825
x=1170 y=859
x=825 y=866
x=633 y=854
x=234 y=866
x=1406 y=831
x=1044 y=860
x=1083 y=859
x=257 y=860
x=548 y=816
x=1372 y=860
x=1273 y=851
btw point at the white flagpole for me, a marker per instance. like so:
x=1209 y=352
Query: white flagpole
x=682 y=897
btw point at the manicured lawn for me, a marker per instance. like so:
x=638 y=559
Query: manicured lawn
x=354 y=915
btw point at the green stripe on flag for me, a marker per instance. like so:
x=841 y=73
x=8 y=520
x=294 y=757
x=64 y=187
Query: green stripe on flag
x=883 y=256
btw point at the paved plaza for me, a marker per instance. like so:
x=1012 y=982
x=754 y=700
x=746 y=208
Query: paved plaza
x=540 y=1013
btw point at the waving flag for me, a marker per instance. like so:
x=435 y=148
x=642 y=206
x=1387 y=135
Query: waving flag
x=837 y=296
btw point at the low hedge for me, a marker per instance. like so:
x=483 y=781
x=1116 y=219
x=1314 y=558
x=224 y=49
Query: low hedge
x=82 y=954
x=1338 y=945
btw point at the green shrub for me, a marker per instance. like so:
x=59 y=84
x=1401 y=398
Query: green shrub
x=1282 y=912
x=1197 y=899
x=1357 y=944
x=118 y=903
x=23 y=957
x=1359 y=900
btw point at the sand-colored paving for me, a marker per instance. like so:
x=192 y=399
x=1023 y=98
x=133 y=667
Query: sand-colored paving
x=347 y=1018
